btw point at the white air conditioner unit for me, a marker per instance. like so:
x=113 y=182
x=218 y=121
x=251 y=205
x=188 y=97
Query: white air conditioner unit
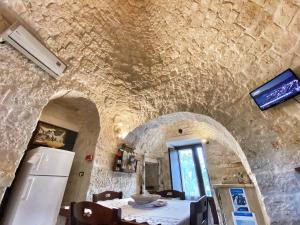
x=33 y=49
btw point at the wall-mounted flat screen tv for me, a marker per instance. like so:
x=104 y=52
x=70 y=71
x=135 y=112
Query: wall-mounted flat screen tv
x=281 y=88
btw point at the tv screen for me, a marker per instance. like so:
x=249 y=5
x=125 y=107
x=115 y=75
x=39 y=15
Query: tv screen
x=281 y=88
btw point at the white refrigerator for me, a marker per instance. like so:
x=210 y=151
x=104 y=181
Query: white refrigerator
x=37 y=194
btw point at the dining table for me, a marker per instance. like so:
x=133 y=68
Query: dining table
x=174 y=212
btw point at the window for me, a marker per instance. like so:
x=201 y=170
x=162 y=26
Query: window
x=189 y=172
x=204 y=172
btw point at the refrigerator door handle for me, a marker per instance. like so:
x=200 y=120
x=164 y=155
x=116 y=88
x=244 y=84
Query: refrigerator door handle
x=27 y=190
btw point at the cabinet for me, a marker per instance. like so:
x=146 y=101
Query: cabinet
x=125 y=160
x=225 y=203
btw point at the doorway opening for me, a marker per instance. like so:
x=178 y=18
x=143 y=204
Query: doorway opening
x=189 y=172
x=73 y=113
x=151 y=176
x=79 y=114
x=225 y=160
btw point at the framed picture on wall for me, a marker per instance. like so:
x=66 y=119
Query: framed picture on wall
x=239 y=199
x=53 y=136
x=244 y=218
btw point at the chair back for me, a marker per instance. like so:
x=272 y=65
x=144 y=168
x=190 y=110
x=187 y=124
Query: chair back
x=172 y=194
x=213 y=209
x=89 y=213
x=199 y=212
x=107 y=195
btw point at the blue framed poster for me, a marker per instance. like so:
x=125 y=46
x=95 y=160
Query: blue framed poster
x=239 y=200
x=244 y=218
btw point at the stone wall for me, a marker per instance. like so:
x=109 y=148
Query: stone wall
x=223 y=154
x=222 y=160
x=137 y=60
x=271 y=183
x=25 y=90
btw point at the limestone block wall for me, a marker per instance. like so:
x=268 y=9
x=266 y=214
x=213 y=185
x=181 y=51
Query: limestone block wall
x=223 y=154
x=26 y=89
x=222 y=161
x=24 y=95
x=273 y=195
x=26 y=109
x=273 y=159
x=138 y=60
x=103 y=178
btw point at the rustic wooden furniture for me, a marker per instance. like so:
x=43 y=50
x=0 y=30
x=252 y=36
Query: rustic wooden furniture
x=107 y=195
x=199 y=212
x=90 y=213
x=213 y=209
x=65 y=213
x=175 y=210
x=226 y=206
x=171 y=194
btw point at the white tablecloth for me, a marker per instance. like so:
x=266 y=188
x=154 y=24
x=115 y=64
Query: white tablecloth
x=176 y=212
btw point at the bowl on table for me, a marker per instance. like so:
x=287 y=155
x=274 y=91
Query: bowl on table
x=144 y=199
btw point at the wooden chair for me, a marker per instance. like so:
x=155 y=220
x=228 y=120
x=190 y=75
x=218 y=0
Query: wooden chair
x=107 y=195
x=213 y=209
x=171 y=194
x=65 y=213
x=90 y=213
x=199 y=212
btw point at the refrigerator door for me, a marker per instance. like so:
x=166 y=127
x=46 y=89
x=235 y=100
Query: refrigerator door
x=49 y=161
x=36 y=201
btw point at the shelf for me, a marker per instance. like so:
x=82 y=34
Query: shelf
x=233 y=185
x=125 y=161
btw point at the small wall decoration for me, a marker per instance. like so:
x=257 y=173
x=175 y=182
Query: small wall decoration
x=53 y=136
x=125 y=160
x=89 y=157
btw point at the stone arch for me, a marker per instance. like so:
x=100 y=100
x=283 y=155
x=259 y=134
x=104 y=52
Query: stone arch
x=79 y=113
x=84 y=106
x=207 y=128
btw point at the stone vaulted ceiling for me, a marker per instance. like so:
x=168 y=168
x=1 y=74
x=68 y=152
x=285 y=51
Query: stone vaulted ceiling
x=197 y=54
x=139 y=59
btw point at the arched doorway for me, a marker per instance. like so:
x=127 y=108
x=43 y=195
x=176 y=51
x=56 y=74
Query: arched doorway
x=76 y=112
x=224 y=155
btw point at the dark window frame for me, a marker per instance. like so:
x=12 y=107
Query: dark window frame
x=177 y=154
x=196 y=162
